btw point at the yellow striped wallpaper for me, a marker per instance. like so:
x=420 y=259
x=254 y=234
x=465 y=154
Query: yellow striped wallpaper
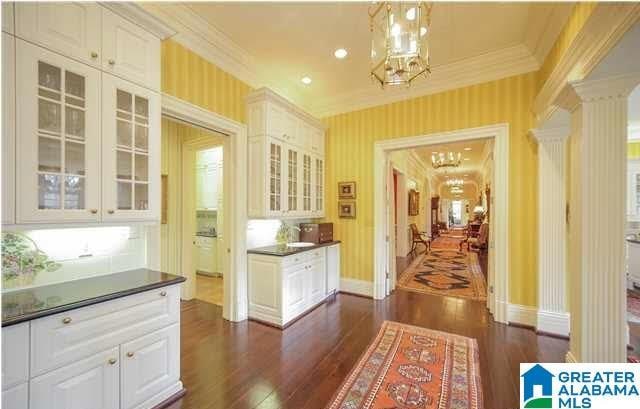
x=188 y=76
x=579 y=15
x=349 y=151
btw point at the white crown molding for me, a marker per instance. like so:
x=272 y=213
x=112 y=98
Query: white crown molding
x=483 y=68
x=265 y=93
x=619 y=86
x=553 y=17
x=138 y=15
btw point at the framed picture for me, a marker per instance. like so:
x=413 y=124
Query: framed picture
x=414 y=203
x=346 y=190
x=347 y=209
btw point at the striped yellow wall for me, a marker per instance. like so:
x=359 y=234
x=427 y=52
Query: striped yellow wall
x=579 y=15
x=633 y=150
x=190 y=77
x=349 y=151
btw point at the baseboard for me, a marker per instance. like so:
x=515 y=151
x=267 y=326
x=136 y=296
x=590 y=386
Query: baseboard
x=555 y=323
x=522 y=315
x=570 y=358
x=358 y=287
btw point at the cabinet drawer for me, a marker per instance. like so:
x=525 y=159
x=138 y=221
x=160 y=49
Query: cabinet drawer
x=15 y=355
x=63 y=338
x=16 y=397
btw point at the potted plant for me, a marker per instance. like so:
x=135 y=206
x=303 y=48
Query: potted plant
x=22 y=260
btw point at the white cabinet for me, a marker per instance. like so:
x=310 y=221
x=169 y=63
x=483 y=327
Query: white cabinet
x=8 y=25
x=130 y=151
x=207 y=254
x=286 y=146
x=209 y=166
x=130 y=51
x=72 y=29
x=58 y=143
x=15 y=355
x=333 y=269
x=16 y=397
x=8 y=126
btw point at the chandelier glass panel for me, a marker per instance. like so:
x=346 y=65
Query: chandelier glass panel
x=399 y=41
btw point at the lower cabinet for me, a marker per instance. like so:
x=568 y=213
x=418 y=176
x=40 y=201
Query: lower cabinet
x=16 y=397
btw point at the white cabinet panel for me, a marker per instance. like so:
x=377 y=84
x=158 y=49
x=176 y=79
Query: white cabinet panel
x=130 y=51
x=89 y=383
x=149 y=366
x=318 y=187
x=293 y=182
x=317 y=272
x=72 y=29
x=333 y=268
x=130 y=151
x=8 y=125
x=15 y=355
x=58 y=138
x=295 y=293
x=8 y=25
x=16 y=397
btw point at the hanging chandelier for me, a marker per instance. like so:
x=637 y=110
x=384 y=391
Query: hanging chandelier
x=399 y=41
x=454 y=182
x=456 y=190
x=449 y=159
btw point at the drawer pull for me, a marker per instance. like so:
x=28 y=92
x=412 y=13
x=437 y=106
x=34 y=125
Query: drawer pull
x=93 y=211
x=112 y=62
x=94 y=54
x=163 y=294
x=66 y=320
x=130 y=354
x=111 y=211
x=112 y=361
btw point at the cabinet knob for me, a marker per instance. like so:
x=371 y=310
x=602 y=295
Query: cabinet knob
x=94 y=54
x=93 y=211
x=112 y=62
x=66 y=320
x=111 y=211
x=130 y=354
x=112 y=361
x=163 y=294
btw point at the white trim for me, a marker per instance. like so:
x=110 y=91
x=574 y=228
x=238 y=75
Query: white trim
x=137 y=15
x=353 y=286
x=553 y=17
x=523 y=315
x=552 y=322
x=235 y=303
x=498 y=299
x=570 y=358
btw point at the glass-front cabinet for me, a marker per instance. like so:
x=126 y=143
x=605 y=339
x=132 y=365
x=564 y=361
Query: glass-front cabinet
x=130 y=153
x=306 y=182
x=318 y=188
x=275 y=176
x=58 y=143
x=292 y=182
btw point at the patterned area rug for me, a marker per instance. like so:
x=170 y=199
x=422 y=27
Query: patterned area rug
x=412 y=367
x=445 y=271
x=633 y=307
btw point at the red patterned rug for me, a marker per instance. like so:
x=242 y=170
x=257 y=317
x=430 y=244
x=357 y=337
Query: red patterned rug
x=633 y=307
x=413 y=367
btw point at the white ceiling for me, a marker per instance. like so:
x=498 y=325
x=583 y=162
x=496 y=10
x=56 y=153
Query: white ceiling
x=276 y=44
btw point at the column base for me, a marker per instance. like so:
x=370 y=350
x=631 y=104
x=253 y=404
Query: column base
x=551 y=322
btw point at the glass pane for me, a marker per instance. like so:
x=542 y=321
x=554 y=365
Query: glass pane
x=49 y=155
x=74 y=84
x=74 y=101
x=74 y=122
x=74 y=158
x=49 y=116
x=49 y=76
x=124 y=195
x=142 y=138
x=142 y=168
x=142 y=196
x=49 y=94
x=123 y=115
x=142 y=106
x=123 y=165
x=142 y=120
x=49 y=196
x=124 y=133
x=74 y=192
x=124 y=101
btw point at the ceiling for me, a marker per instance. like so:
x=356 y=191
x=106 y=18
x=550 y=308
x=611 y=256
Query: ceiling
x=282 y=42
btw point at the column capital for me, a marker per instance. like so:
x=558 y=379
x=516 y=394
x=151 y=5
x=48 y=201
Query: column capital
x=619 y=86
x=559 y=134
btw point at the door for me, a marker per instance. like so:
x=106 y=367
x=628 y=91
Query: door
x=130 y=152
x=293 y=179
x=58 y=138
x=129 y=51
x=318 y=187
x=306 y=183
x=150 y=364
x=72 y=29
x=88 y=383
x=275 y=180
x=8 y=128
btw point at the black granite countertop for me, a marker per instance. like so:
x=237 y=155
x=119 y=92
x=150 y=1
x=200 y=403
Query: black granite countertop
x=31 y=303
x=282 y=250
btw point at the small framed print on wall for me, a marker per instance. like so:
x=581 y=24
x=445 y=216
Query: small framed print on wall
x=346 y=209
x=346 y=190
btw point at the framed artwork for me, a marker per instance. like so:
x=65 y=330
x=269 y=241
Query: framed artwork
x=346 y=190
x=414 y=203
x=347 y=209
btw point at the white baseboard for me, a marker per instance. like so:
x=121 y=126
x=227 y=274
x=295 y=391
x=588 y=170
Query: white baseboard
x=556 y=323
x=522 y=314
x=360 y=287
x=570 y=358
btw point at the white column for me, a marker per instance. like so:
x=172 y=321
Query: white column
x=552 y=268
x=600 y=127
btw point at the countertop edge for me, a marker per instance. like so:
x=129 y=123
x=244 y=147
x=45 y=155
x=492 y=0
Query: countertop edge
x=90 y=301
x=298 y=250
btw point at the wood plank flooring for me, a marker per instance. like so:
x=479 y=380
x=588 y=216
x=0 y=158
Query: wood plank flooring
x=250 y=365
x=209 y=289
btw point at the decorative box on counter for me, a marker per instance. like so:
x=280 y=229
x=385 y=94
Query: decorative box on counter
x=316 y=232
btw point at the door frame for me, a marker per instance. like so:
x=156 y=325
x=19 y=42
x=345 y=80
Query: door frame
x=498 y=297
x=235 y=298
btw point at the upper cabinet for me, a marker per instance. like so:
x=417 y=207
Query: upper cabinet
x=7 y=17
x=286 y=159
x=8 y=128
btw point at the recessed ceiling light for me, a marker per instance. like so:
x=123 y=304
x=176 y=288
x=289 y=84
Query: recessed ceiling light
x=467 y=149
x=306 y=80
x=411 y=14
x=340 y=53
x=435 y=153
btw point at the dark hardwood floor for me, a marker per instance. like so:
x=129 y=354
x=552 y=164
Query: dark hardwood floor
x=250 y=365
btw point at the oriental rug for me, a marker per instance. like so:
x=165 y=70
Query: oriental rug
x=633 y=307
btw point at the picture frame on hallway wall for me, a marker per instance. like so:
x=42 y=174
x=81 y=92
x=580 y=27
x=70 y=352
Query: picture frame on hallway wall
x=346 y=190
x=346 y=209
x=414 y=203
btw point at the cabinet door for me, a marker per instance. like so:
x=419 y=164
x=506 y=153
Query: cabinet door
x=8 y=127
x=317 y=141
x=275 y=177
x=295 y=292
x=129 y=51
x=276 y=121
x=89 y=383
x=290 y=128
x=58 y=138
x=130 y=151
x=306 y=183
x=318 y=280
x=318 y=188
x=293 y=182
x=333 y=268
x=16 y=397
x=150 y=364
x=200 y=186
x=211 y=189
x=15 y=355
x=72 y=29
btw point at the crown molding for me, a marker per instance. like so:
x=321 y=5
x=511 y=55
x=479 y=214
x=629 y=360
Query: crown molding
x=553 y=17
x=265 y=93
x=619 y=86
x=483 y=68
x=138 y=15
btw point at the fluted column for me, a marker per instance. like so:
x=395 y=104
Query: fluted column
x=552 y=269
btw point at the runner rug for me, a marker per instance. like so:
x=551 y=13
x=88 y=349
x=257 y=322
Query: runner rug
x=413 y=367
x=633 y=307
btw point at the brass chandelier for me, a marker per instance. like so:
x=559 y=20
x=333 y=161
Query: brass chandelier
x=454 y=182
x=444 y=160
x=399 y=41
